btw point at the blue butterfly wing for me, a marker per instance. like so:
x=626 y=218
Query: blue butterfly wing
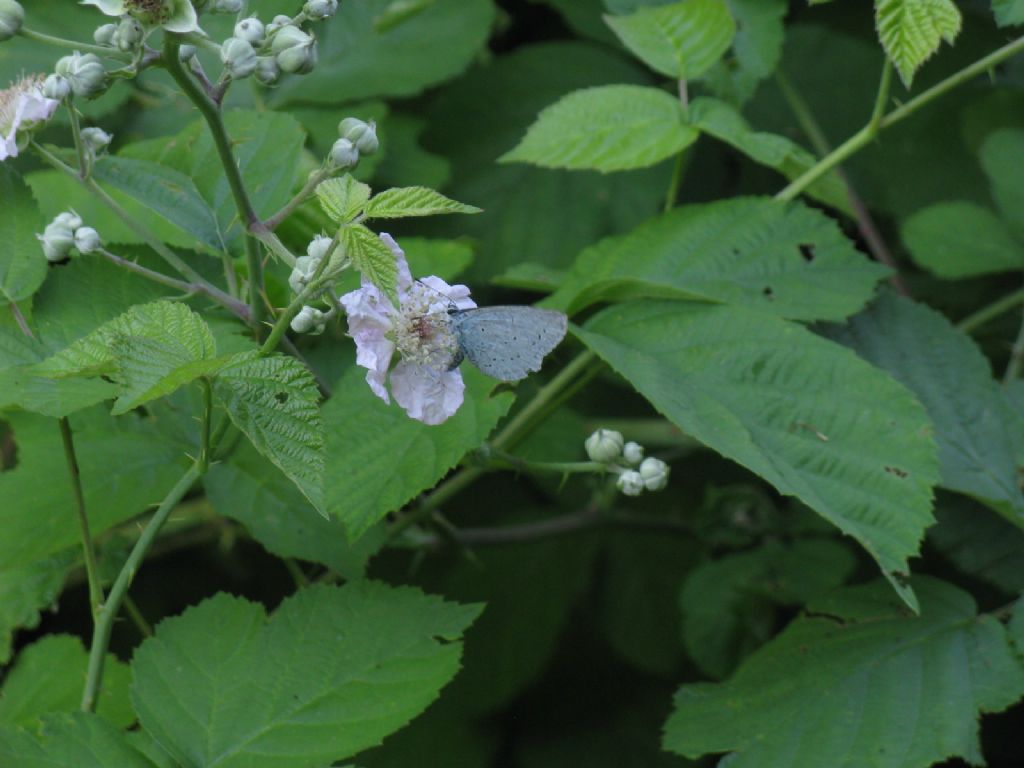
x=507 y=343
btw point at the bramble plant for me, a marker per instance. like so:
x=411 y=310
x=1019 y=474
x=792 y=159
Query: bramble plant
x=769 y=467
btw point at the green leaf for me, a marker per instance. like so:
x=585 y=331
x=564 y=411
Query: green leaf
x=372 y=258
x=728 y=605
x=911 y=31
x=953 y=380
x=273 y=400
x=805 y=414
x=1002 y=157
x=979 y=543
x=168 y=193
x=725 y=123
x=331 y=672
x=756 y=49
x=21 y=387
x=126 y=466
x=858 y=682
x=342 y=199
x=24 y=591
x=402 y=202
x=47 y=677
x=682 y=40
x=78 y=740
x=961 y=239
x=532 y=213
x=786 y=259
x=152 y=350
x=249 y=489
x=359 y=61
x=1008 y=12
x=22 y=264
x=379 y=459
x=608 y=128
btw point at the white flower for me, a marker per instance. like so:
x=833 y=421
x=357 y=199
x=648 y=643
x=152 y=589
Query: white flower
x=23 y=108
x=423 y=382
x=604 y=446
x=173 y=15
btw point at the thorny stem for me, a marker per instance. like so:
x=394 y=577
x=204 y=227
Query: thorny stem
x=91 y=569
x=880 y=121
x=215 y=122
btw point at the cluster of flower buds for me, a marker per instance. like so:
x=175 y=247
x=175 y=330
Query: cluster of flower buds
x=12 y=16
x=635 y=473
x=280 y=47
x=66 y=232
x=306 y=266
x=80 y=73
x=356 y=138
x=127 y=35
x=310 y=320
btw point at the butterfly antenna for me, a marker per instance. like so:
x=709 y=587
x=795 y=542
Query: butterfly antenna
x=439 y=293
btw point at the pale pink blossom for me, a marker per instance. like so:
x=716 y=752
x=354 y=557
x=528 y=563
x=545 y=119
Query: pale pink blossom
x=23 y=107
x=424 y=381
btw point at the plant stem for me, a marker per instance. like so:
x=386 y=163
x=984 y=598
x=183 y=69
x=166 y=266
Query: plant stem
x=996 y=308
x=76 y=136
x=109 y=609
x=215 y=123
x=503 y=460
x=198 y=281
x=136 y=616
x=91 y=570
x=880 y=121
x=74 y=45
x=300 y=197
x=204 y=437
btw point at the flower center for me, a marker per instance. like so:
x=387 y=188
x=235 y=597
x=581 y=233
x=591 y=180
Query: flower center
x=150 y=11
x=10 y=97
x=423 y=332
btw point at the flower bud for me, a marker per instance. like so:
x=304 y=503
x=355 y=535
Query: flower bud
x=278 y=23
x=295 y=51
x=96 y=138
x=363 y=135
x=654 y=473
x=226 y=6
x=186 y=52
x=104 y=35
x=87 y=240
x=251 y=30
x=238 y=57
x=267 y=71
x=320 y=9
x=129 y=34
x=633 y=453
x=56 y=87
x=318 y=248
x=12 y=16
x=604 y=446
x=84 y=72
x=68 y=219
x=58 y=239
x=344 y=154
x=303 y=270
x=309 y=320
x=630 y=483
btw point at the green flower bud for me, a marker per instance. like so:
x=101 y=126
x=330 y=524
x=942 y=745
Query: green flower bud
x=287 y=37
x=277 y=24
x=363 y=135
x=267 y=71
x=96 y=138
x=129 y=34
x=104 y=35
x=238 y=57
x=630 y=483
x=344 y=154
x=309 y=320
x=58 y=239
x=251 y=30
x=654 y=473
x=68 y=219
x=318 y=248
x=84 y=72
x=604 y=446
x=633 y=453
x=299 y=60
x=303 y=270
x=226 y=6
x=12 y=16
x=56 y=87
x=320 y=9
x=186 y=52
x=87 y=240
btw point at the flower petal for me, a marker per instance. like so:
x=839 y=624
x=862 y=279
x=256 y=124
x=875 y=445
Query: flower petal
x=369 y=321
x=426 y=393
x=109 y=7
x=447 y=295
x=183 y=18
x=404 y=275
